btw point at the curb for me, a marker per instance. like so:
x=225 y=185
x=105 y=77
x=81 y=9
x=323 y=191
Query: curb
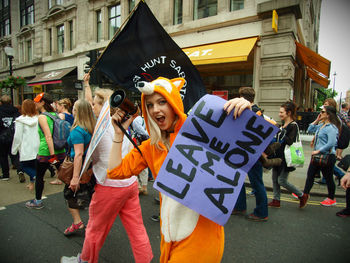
x=285 y=191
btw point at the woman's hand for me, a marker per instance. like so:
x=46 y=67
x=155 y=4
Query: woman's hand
x=315 y=152
x=318 y=119
x=86 y=78
x=118 y=117
x=238 y=104
x=345 y=181
x=74 y=184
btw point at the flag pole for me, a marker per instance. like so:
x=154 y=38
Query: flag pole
x=115 y=35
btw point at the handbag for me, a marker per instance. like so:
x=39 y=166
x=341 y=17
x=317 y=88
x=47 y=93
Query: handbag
x=344 y=163
x=65 y=172
x=294 y=154
x=320 y=159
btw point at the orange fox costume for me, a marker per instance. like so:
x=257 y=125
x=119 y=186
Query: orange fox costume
x=186 y=236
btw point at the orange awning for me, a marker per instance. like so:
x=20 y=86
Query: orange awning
x=318 y=67
x=223 y=52
x=317 y=77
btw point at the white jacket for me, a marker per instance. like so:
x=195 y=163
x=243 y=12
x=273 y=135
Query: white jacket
x=26 y=139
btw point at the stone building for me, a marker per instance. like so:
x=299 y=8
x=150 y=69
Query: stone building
x=231 y=42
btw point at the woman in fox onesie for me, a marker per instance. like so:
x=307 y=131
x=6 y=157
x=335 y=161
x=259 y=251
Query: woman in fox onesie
x=186 y=236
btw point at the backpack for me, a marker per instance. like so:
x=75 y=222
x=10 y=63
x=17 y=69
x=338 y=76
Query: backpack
x=60 y=133
x=344 y=137
x=7 y=134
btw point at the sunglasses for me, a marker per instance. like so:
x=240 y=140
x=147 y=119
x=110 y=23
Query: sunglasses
x=323 y=111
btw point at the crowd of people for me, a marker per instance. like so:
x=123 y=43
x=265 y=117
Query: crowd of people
x=120 y=171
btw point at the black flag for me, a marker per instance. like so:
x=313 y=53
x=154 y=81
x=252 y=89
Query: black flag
x=143 y=51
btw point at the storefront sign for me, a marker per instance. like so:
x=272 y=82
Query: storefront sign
x=275 y=21
x=78 y=85
x=210 y=157
x=37 y=89
x=221 y=93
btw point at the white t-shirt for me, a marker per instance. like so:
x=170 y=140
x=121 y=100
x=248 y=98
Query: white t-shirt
x=100 y=158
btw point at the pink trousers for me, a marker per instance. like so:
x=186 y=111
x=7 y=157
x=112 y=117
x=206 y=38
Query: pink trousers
x=108 y=202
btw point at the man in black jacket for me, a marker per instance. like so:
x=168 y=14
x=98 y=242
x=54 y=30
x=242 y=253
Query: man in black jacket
x=8 y=115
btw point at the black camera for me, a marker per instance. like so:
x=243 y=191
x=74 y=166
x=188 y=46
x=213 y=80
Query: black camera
x=119 y=100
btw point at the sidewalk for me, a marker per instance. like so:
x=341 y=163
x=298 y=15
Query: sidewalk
x=298 y=176
x=13 y=191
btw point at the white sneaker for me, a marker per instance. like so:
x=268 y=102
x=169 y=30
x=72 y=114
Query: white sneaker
x=69 y=260
x=76 y=259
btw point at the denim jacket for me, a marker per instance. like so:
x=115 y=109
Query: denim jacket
x=325 y=138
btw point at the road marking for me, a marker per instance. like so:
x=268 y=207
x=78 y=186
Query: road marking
x=290 y=200
x=2 y=208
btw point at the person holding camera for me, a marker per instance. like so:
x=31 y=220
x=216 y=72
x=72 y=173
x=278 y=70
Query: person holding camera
x=111 y=197
x=186 y=236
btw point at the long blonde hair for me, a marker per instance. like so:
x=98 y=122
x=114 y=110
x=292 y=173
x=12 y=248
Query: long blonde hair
x=84 y=116
x=155 y=133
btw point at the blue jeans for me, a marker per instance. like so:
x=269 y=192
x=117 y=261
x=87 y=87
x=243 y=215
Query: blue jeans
x=255 y=177
x=29 y=168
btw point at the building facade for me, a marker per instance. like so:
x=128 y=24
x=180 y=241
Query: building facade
x=231 y=42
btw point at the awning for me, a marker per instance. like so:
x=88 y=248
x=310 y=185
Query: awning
x=223 y=52
x=318 y=66
x=50 y=77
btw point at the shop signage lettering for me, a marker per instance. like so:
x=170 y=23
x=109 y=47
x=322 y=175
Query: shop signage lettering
x=209 y=159
x=199 y=53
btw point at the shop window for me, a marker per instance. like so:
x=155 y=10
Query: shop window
x=27 y=12
x=205 y=8
x=131 y=5
x=29 y=51
x=99 y=25
x=114 y=20
x=236 y=5
x=60 y=39
x=177 y=12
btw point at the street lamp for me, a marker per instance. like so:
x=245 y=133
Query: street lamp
x=335 y=74
x=9 y=53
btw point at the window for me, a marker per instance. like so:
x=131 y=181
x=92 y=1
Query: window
x=177 y=12
x=60 y=39
x=205 y=8
x=55 y=2
x=29 y=50
x=50 y=42
x=70 y=35
x=7 y=27
x=131 y=5
x=236 y=5
x=114 y=20
x=99 y=25
x=5 y=21
x=27 y=12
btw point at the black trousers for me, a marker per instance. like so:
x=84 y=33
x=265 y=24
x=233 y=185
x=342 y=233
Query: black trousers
x=327 y=173
x=5 y=151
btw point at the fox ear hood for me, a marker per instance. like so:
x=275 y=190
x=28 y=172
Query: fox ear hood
x=169 y=89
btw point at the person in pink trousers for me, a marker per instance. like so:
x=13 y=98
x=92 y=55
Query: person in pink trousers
x=111 y=198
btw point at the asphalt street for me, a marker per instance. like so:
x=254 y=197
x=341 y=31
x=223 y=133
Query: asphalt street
x=313 y=234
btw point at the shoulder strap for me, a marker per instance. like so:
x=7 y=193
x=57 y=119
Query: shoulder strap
x=53 y=117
